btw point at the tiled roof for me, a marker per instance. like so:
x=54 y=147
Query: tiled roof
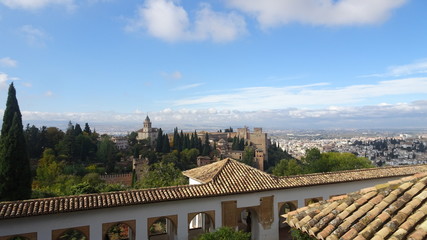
x=224 y=177
x=205 y=173
x=396 y=210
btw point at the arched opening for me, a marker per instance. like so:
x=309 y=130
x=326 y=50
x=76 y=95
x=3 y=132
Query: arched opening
x=312 y=200
x=18 y=238
x=199 y=224
x=120 y=231
x=284 y=228
x=72 y=234
x=248 y=222
x=162 y=229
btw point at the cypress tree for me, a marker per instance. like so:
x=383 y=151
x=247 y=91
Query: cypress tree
x=176 y=141
x=15 y=173
x=186 y=144
x=206 y=147
x=181 y=141
x=78 y=130
x=87 y=129
x=166 y=146
x=159 y=141
x=193 y=141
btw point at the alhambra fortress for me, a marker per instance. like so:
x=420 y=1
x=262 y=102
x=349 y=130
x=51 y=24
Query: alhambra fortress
x=256 y=140
x=375 y=203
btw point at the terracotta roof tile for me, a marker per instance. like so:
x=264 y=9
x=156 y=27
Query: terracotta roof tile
x=396 y=210
x=221 y=178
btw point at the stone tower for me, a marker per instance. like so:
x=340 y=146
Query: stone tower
x=147 y=125
x=147 y=132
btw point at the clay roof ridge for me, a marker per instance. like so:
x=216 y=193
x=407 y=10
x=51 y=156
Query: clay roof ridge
x=204 y=173
x=242 y=166
x=353 y=170
x=221 y=168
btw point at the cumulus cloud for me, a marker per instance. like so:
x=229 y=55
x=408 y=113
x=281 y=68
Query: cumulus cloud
x=316 y=95
x=8 y=62
x=34 y=36
x=4 y=78
x=166 y=20
x=270 y=13
x=37 y=4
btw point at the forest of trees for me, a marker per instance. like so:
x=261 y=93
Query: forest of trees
x=315 y=162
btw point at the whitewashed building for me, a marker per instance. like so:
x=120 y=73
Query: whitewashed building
x=224 y=193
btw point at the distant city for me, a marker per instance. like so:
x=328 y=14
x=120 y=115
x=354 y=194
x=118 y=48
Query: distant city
x=382 y=147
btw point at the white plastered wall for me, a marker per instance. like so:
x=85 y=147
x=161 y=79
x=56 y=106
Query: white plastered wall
x=44 y=225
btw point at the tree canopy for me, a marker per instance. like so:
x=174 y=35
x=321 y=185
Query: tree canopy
x=225 y=233
x=162 y=175
x=315 y=162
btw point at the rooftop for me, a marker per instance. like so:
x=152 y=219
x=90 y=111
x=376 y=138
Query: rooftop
x=225 y=177
x=396 y=210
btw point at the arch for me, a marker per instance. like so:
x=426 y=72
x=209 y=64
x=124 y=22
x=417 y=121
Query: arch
x=284 y=208
x=72 y=234
x=22 y=236
x=200 y=223
x=119 y=231
x=162 y=228
x=18 y=238
x=309 y=201
x=249 y=222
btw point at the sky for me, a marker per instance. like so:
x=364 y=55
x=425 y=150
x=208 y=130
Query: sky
x=285 y=64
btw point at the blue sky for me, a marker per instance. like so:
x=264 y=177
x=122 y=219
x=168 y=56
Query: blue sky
x=271 y=63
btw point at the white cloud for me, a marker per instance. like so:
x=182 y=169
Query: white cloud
x=8 y=62
x=168 y=21
x=315 y=95
x=4 y=78
x=270 y=13
x=186 y=87
x=400 y=115
x=418 y=67
x=408 y=69
x=37 y=4
x=48 y=93
x=34 y=36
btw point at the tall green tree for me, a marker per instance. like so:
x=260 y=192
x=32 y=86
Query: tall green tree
x=107 y=153
x=15 y=172
x=248 y=156
x=162 y=175
x=48 y=168
x=87 y=129
x=159 y=141
x=166 y=146
x=287 y=167
x=206 y=146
